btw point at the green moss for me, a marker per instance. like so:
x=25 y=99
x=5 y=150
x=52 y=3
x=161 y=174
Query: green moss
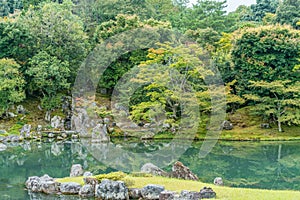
x=15 y=129
x=111 y=176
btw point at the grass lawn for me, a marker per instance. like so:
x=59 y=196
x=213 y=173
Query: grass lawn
x=223 y=193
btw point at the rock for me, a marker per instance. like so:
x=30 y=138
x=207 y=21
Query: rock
x=218 y=181
x=148 y=136
x=166 y=195
x=226 y=125
x=87 y=174
x=48 y=116
x=50 y=135
x=25 y=130
x=76 y=170
x=106 y=120
x=265 y=126
x=57 y=122
x=108 y=189
x=74 y=136
x=49 y=186
x=3 y=147
x=33 y=183
x=21 y=109
x=87 y=191
x=207 y=193
x=3 y=132
x=152 y=191
x=11 y=115
x=135 y=193
x=90 y=181
x=188 y=195
x=99 y=133
x=153 y=169
x=45 y=184
x=166 y=126
x=70 y=188
x=182 y=172
x=39 y=128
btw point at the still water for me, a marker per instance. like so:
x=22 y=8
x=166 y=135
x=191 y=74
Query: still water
x=269 y=165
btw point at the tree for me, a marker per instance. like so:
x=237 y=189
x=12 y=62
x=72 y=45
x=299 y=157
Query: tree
x=288 y=13
x=12 y=84
x=280 y=100
x=266 y=53
x=57 y=31
x=262 y=7
x=48 y=76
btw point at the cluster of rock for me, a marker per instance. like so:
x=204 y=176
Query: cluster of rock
x=178 y=171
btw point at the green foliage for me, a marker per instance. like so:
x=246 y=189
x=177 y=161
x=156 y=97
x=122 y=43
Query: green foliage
x=140 y=174
x=266 y=53
x=262 y=7
x=48 y=75
x=288 y=13
x=12 y=84
x=279 y=100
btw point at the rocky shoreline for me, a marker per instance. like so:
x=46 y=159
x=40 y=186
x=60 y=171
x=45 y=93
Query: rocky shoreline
x=117 y=189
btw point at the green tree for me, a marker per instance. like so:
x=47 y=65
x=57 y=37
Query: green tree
x=48 y=76
x=262 y=7
x=288 y=13
x=266 y=53
x=280 y=100
x=12 y=84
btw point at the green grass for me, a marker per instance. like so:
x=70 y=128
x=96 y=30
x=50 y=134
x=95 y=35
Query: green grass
x=223 y=193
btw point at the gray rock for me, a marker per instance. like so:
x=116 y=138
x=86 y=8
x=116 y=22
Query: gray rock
x=106 y=120
x=21 y=109
x=218 y=181
x=45 y=184
x=49 y=186
x=87 y=174
x=87 y=191
x=11 y=115
x=108 y=189
x=207 y=193
x=135 y=193
x=3 y=147
x=76 y=170
x=33 y=183
x=188 y=195
x=167 y=195
x=90 y=181
x=39 y=128
x=151 y=191
x=182 y=172
x=3 y=132
x=48 y=116
x=153 y=169
x=226 y=125
x=265 y=126
x=25 y=130
x=70 y=188
x=100 y=134
x=57 y=122
x=166 y=126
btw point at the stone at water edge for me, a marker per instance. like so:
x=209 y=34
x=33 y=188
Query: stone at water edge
x=218 y=181
x=57 y=122
x=76 y=170
x=182 y=172
x=87 y=191
x=189 y=195
x=151 y=191
x=153 y=169
x=167 y=195
x=25 y=130
x=3 y=147
x=45 y=184
x=135 y=193
x=108 y=189
x=70 y=188
x=87 y=174
x=21 y=109
x=207 y=193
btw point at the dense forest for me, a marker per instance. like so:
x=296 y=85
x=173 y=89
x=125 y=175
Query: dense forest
x=255 y=48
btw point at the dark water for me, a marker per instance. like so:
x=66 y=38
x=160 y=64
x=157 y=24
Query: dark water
x=269 y=165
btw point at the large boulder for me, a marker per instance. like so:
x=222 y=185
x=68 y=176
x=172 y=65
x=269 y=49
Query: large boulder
x=182 y=172
x=152 y=192
x=87 y=191
x=218 y=181
x=21 y=109
x=45 y=184
x=76 y=170
x=70 y=188
x=153 y=169
x=167 y=195
x=207 y=193
x=189 y=195
x=135 y=193
x=112 y=190
x=226 y=125
x=25 y=131
x=57 y=122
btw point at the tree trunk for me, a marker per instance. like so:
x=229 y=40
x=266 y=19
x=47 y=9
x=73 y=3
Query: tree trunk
x=279 y=126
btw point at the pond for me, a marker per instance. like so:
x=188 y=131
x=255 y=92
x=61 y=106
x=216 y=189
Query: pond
x=269 y=165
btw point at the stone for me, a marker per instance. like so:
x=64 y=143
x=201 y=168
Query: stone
x=76 y=170
x=49 y=186
x=182 y=172
x=57 y=122
x=3 y=132
x=218 y=181
x=106 y=120
x=48 y=116
x=33 y=183
x=189 y=195
x=207 y=193
x=25 y=130
x=166 y=126
x=167 y=195
x=11 y=115
x=108 y=189
x=151 y=191
x=21 y=109
x=3 y=147
x=87 y=174
x=226 y=125
x=100 y=134
x=45 y=184
x=70 y=188
x=90 y=181
x=87 y=191
x=39 y=128
x=153 y=169
x=265 y=126
x=135 y=193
